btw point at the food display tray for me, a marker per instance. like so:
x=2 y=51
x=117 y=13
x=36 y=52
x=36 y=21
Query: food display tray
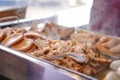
x=19 y=66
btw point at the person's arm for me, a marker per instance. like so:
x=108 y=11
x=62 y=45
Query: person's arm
x=105 y=17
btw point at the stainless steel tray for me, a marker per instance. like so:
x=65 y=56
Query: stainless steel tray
x=19 y=66
x=26 y=22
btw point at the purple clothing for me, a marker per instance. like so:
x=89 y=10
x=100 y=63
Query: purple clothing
x=105 y=17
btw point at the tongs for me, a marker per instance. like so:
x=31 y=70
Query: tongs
x=78 y=57
x=104 y=51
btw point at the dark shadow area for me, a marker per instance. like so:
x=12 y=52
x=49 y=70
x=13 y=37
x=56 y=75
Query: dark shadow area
x=4 y=78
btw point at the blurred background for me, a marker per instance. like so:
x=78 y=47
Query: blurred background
x=69 y=12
